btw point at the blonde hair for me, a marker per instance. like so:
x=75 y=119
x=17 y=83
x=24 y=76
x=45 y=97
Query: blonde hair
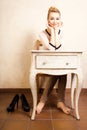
x=53 y=9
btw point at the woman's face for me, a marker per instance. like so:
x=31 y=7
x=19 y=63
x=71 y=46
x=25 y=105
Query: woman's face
x=54 y=19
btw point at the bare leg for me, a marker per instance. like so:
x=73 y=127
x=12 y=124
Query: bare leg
x=48 y=85
x=61 y=95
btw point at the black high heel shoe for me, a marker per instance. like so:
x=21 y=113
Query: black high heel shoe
x=25 y=104
x=15 y=100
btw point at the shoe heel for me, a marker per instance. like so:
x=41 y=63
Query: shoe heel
x=12 y=105
x=25 y=105
x=17 y=103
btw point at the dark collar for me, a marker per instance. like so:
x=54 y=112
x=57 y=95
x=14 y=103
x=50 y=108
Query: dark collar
x=49 y=33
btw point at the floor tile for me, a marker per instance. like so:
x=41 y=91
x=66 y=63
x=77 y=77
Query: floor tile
x=2 y=122
x=83 y=114
x=44 y=115
x=15 y=125
x=64 y=125
x=58 y=114
x=41 y=125
x=21 y=115
x=82 y=124
x=4 y=115
x=50 y=118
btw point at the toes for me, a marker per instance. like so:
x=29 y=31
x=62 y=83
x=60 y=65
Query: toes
x=39 y=107
x=68 y=112
x=64 y=108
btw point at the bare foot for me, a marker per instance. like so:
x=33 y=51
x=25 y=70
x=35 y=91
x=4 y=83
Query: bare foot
x=63 y=107
x=40 y=107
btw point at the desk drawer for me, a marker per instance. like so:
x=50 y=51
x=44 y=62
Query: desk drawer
x=53 y=62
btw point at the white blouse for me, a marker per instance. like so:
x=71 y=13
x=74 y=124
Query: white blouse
x=43 y=39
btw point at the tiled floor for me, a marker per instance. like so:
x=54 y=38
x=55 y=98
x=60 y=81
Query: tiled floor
x=50 y=118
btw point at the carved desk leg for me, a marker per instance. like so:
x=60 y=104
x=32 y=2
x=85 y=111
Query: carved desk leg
x=73 y=86
x=77 y=94
x=34 y=92
x=76 y=83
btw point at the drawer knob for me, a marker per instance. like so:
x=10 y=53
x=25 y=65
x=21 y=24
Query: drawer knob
x=44 y=63
x=67 y=63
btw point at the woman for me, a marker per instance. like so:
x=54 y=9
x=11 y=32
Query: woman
x=50 y=39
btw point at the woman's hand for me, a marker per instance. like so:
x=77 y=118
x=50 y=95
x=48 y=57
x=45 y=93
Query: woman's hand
x=56 y=30
x=50 y=29
x=58 y=26
x=51 y=32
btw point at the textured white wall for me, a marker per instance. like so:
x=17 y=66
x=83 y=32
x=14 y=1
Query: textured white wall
x=20 y=23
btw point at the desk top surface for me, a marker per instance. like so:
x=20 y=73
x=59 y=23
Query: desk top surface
x=50 y=51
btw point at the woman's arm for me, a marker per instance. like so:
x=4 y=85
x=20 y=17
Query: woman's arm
x=58 y=37
x=45 y=41
x=58 y=34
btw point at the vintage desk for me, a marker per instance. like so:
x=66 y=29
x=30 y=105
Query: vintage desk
x=57 y=63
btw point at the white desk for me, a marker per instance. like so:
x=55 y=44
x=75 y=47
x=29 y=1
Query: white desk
x=56 y=63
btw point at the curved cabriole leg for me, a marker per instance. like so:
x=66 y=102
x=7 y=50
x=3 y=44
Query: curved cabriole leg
x=34 y=93
x=73 y=86
x=77 y=94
